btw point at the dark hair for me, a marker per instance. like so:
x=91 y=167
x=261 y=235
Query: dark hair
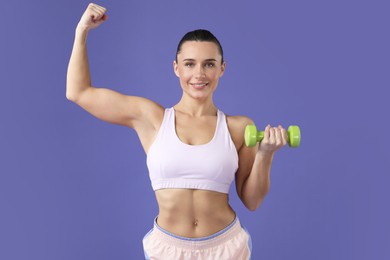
x=199 y=35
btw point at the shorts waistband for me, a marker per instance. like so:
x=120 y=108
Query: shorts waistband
x=200 y=243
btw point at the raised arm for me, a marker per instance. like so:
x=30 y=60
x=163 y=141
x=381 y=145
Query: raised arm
x=78 y=79
x=139 y=113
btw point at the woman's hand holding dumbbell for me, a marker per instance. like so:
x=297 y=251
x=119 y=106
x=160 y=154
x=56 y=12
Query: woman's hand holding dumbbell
x=272 y=138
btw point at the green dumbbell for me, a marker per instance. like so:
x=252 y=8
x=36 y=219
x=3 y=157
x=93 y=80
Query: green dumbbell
x=252 y=136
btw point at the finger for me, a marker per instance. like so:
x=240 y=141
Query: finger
x=97 y=15
x=278 y=136
x=266 y=133
x=94 y=6
x=284 y=135
x=99 y=10
x=272 y=136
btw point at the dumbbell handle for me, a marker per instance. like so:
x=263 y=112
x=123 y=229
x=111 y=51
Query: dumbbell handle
x=252 y=136
x=259 y=136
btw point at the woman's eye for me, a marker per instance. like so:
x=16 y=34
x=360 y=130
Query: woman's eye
x=209 y=65
x=189 y=64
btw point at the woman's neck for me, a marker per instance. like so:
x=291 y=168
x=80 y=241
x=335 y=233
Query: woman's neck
x=195 y=107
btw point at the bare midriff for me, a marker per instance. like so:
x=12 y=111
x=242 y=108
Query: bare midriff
x=193 y=213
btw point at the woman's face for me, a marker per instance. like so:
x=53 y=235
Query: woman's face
x=199 y=68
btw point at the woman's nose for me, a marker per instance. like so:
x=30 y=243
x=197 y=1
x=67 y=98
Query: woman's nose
x=200 y=71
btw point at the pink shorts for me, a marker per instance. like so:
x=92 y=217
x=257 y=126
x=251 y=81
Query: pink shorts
x=233 y=242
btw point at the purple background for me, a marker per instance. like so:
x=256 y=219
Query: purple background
x=74 y=187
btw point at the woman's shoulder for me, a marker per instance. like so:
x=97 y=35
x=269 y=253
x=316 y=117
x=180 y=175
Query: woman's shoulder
x=238 y=121
x=236 y=125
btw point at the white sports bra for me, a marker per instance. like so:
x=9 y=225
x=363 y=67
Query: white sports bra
x=174 y=164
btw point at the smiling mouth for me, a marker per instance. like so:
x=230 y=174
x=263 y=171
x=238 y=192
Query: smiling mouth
x=199 y=85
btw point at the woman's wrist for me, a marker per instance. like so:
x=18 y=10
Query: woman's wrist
x=81 y=34
x=82 y=29
x=265 y=156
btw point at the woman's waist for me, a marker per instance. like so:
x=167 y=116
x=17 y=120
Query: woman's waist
x=198 y=241
x=193 y=225
x=193 y=213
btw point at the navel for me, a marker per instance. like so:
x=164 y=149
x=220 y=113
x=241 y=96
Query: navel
x=195 y=222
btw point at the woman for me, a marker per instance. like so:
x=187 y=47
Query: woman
x=194 y=151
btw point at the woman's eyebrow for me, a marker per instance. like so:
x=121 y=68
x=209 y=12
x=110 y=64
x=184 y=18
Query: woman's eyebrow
x=189 y=59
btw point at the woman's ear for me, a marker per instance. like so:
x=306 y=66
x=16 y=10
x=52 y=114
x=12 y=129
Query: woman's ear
x=223 y=67
x=175 y=68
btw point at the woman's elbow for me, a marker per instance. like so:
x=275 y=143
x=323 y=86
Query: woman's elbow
x=72 y=94
x=253 y=206
x=69 y=96
x=68 y=92
x=252 y=209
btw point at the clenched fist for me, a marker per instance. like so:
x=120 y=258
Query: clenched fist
x=94 y=16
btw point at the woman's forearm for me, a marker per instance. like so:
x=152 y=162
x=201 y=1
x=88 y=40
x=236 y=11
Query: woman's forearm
x=257 y=185
x=78 y=77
